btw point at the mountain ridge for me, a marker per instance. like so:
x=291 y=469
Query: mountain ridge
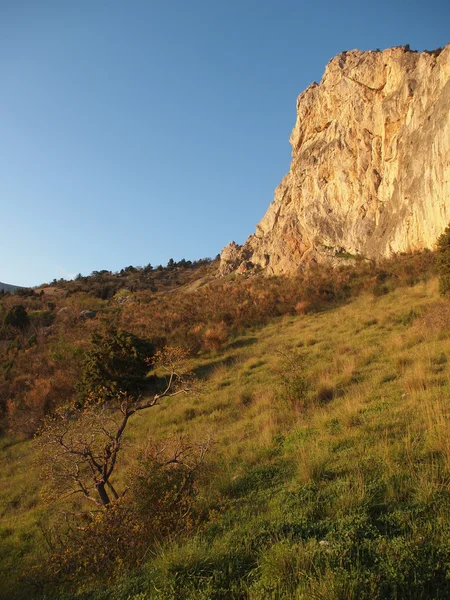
x=7 y=287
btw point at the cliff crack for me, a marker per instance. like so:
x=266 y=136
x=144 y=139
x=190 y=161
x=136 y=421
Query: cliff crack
x=378 y=89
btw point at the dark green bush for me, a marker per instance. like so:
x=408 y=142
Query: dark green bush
x=117 y=361
x=17 y=317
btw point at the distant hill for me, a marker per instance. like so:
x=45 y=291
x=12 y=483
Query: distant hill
x=6 y=287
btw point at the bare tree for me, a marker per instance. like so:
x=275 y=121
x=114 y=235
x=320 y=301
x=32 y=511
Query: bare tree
x=79 y=447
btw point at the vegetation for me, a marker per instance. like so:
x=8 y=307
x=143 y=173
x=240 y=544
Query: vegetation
x=117 y=363
x=15 y=319
x=79 y=448
x=105 y=284
x=311 y=460
x=443 y=262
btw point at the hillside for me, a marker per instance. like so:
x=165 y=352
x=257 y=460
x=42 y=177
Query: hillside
x=105 y=284
x=370 y=165
x=327 y=463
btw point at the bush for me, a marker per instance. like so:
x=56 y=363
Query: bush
x=16 y=316
x=160 y=503
x=164 y=487
x=118 y=361
x=215 y=337
x=294 y=386
x=443 y=262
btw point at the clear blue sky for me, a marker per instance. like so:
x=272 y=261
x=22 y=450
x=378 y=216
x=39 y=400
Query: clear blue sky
x=135 y=131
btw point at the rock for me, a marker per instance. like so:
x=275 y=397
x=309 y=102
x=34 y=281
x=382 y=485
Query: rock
x=245 y=267
x=370 y=170
x=87 y=314
x=234 y=257
x=230 y=258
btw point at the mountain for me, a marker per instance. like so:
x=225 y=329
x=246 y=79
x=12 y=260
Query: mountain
x=370 y=170
x=6 y=287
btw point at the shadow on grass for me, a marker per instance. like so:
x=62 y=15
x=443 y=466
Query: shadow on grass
x=242 y=342
x=7 y=442
x=204 y=371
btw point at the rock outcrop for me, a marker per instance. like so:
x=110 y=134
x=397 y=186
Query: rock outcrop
x=370 y=170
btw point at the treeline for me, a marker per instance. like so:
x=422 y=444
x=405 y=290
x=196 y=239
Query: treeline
x=105 y=284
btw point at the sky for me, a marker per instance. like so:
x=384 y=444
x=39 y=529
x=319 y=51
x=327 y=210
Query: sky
x=136 y=131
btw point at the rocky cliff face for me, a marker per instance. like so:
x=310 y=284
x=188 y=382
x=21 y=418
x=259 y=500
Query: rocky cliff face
x=370 y=171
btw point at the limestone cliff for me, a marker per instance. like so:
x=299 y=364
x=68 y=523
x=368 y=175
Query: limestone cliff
x=370 y=171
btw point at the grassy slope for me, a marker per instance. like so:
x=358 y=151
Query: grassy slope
x=346 y=498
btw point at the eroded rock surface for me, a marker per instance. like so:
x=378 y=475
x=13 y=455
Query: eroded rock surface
x=370 y=170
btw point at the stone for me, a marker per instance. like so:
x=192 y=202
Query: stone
x=87 y=314
x=370 y=170
x=230 y=258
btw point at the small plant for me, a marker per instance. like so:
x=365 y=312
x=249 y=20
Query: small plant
x=443 y=262
x=294 y=386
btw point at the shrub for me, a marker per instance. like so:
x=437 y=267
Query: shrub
x=41 y=318
x=294 y=387
x=118 y=361
x=16 y=316
x=443 y=262
x=164 y=487
x=160 y=503
x=215 y=337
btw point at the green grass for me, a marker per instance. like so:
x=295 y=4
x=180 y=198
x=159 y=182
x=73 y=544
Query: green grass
x=330 y=467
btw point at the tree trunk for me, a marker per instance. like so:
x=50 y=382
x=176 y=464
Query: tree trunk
x=113 y=491
x=104 y=498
